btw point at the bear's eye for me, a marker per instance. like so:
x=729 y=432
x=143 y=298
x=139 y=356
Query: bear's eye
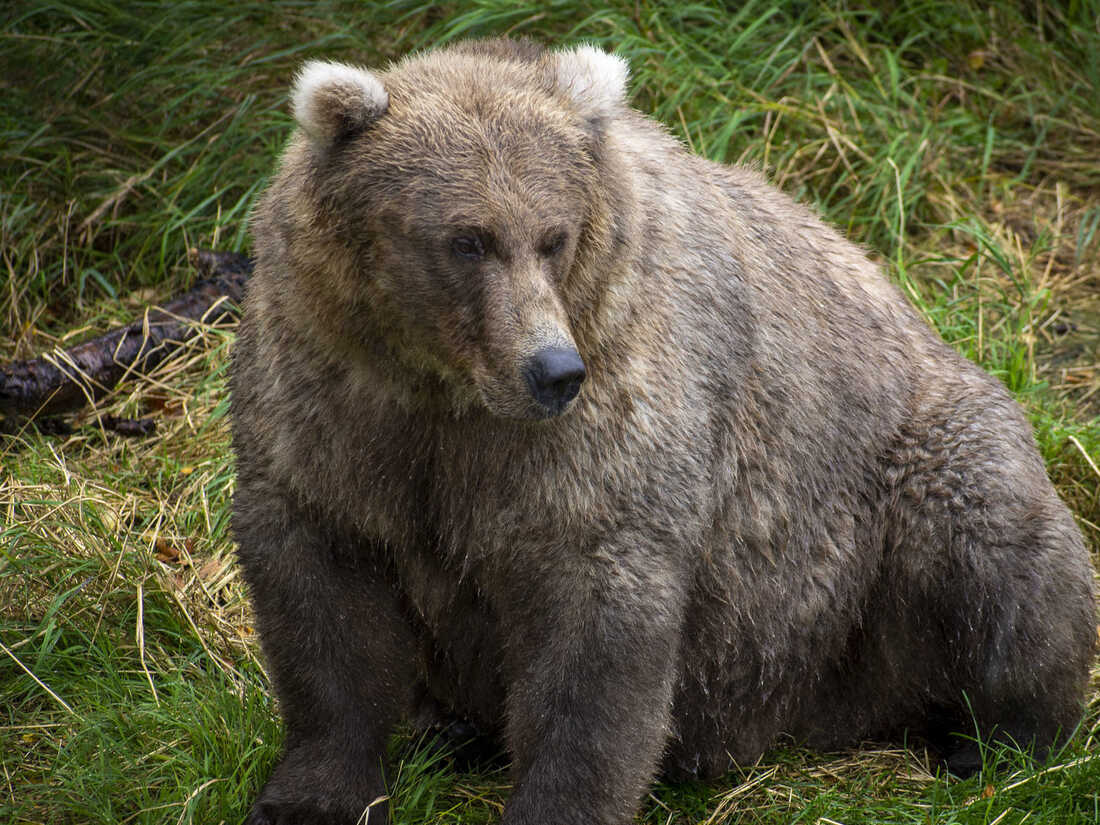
x=468 y=246
x=553 y=244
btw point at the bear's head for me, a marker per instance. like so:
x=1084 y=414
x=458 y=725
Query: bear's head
x=447 y=217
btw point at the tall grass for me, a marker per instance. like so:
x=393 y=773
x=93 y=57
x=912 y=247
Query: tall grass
x=959 y=142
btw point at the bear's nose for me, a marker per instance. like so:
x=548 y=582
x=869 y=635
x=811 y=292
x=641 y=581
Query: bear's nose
x=554 y=376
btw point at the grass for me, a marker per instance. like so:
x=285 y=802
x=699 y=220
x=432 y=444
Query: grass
x=957 y=141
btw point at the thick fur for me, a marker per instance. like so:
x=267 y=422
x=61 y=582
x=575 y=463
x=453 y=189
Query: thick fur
x=779 y=505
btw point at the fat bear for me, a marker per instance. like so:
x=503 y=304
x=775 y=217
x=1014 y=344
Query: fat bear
x=616 y=453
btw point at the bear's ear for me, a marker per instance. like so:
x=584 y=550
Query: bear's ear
x=334 y=100
x=594 y=79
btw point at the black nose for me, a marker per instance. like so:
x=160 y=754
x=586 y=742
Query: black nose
x=554 y=376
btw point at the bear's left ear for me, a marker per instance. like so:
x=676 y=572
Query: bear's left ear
x=334 y=100
x=594 y=79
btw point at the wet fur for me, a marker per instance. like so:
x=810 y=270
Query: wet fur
x=780 y=504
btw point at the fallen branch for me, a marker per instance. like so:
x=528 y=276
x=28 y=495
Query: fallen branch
x=65 y=380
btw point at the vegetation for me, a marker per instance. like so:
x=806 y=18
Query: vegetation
x=958 y=141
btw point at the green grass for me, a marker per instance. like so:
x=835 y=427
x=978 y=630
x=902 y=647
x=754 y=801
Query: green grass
x=957 y=141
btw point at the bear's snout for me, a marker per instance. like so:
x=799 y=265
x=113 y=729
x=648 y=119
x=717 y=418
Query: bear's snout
x=554 y=376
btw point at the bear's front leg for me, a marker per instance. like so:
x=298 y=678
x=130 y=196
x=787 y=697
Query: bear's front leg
x=338 y=652
x=593 y=650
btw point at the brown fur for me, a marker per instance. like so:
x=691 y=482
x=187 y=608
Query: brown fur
x=779 y=504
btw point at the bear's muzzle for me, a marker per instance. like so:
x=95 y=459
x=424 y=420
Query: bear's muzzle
x=554 y=376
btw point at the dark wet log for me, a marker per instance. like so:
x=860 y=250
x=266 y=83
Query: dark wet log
x=129 y=426
x=66 y=380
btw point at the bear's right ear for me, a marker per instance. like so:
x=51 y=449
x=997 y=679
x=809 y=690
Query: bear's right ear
x=595 y=80
x=334 y=100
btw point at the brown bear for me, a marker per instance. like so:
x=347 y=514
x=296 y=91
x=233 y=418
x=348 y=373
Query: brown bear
x=617 y=454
